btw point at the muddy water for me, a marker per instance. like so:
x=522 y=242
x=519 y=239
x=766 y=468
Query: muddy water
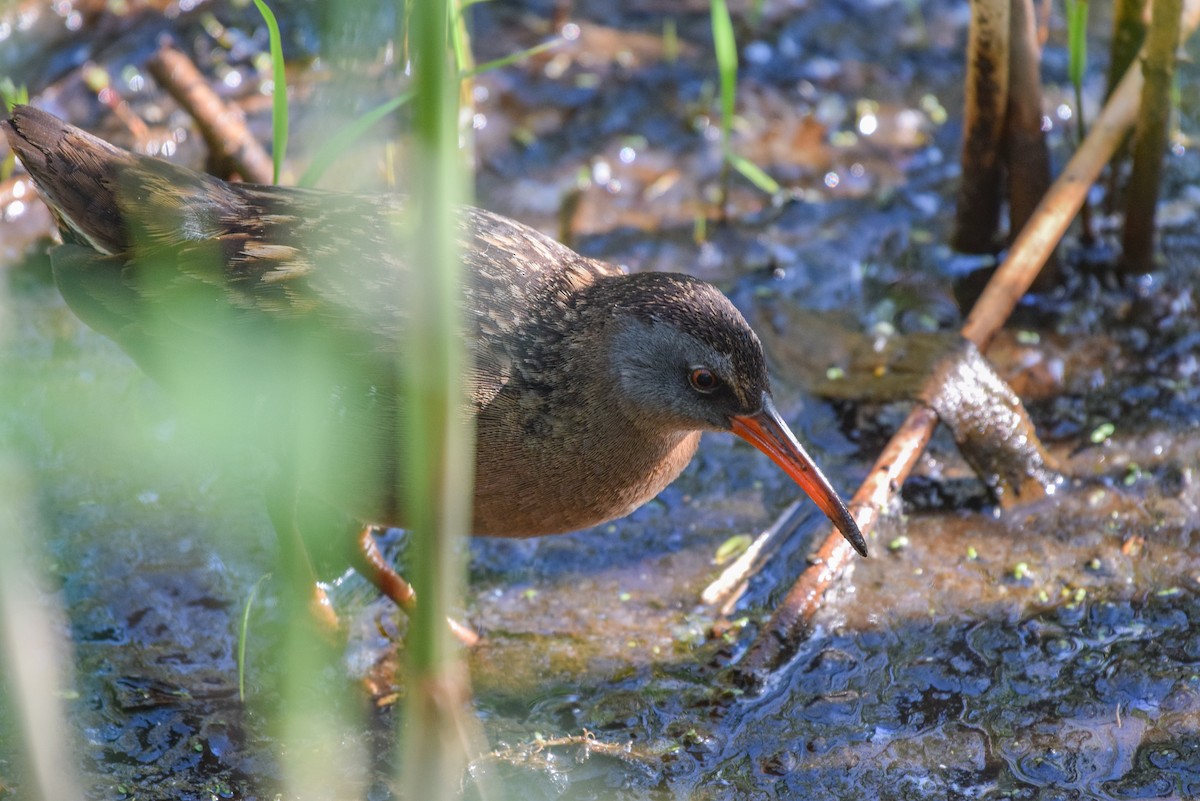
x=1049 y=651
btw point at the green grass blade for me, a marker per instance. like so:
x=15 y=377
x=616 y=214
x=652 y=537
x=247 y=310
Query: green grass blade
x=437 y=448
x=341 y=141
x=512 y=58
x=1077 y=19
x=243 y=631
x=460 y=41
x=670 y=38
x=12 y=94
x=753 y=173
x=725 y=46
x=279 y=99
x=347 y=136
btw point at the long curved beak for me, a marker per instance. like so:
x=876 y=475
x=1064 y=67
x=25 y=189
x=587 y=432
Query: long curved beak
x=766 y=431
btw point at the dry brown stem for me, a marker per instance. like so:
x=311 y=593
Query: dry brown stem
x=1129 y=30
x=222 y=126
x=1150 y=138
x=986 y=89
x=1026 y=154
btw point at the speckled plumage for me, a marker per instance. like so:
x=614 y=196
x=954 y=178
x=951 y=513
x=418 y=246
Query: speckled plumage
x=579 y=382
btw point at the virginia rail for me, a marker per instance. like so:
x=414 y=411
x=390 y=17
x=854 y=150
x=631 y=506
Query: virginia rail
x=589 y=387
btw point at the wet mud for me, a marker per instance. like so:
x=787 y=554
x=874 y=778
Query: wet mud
x=1043 y=650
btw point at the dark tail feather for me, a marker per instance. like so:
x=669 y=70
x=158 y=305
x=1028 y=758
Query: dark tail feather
x=76 y=172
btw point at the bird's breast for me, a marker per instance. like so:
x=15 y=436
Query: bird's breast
x=531 y=486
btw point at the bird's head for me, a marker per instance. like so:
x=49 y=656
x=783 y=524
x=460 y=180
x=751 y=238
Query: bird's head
x=684 y=358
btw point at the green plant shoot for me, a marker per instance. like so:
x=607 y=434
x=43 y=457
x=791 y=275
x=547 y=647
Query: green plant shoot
x=279 y=99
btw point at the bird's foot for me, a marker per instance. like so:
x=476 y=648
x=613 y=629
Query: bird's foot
x=369 y=562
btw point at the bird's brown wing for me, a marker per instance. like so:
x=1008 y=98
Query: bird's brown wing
x=520 y=283
x=189 y=253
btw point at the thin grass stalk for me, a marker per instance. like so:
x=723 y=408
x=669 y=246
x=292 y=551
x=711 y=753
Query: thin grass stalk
x=279 y=99
x=29 y=656
x=29 y=665
x=436 y=444
x=670 y=39
x=314 y=718
x=338 y=143
x=341 y=140
x=10 y=95
x=511 y=58
x=464 y=68
x=31 y=669
x=725 y=47
x=244 y=636
x=1077 y=22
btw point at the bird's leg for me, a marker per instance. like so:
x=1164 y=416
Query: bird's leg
x=371 y=565
x=369 y=562
x=339 y=542
x=322 y=608
x=300 y=576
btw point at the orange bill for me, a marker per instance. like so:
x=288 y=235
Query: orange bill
x=766 y=431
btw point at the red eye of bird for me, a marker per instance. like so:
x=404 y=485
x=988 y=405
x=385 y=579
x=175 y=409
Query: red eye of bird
x=704 y=380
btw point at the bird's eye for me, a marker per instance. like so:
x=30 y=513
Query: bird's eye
x=704 y=380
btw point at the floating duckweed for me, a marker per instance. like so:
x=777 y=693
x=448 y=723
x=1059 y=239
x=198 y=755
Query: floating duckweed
x=1021 y=571
x=730 y=634
x=733 y=547
x=934 y=109
x=899 y=543
x=920 y=236
x=1102 y=432
x=1073 y=595
x=972 y=554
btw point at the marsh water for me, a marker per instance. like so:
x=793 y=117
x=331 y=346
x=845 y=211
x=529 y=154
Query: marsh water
x=1046 y=651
